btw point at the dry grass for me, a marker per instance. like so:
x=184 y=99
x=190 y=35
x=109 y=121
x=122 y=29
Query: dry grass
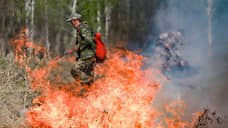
x=15 y=94
x=208 y=119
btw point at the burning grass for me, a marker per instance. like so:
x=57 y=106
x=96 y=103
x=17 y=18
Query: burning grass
x=120 y=99
x=121 y=96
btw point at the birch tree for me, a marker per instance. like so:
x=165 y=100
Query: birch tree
x=107 y=19
x=2 y=17
x=32 y=19
x=74 y=7
x=210 y=12
x=47 y=29
x=99 y=17
x=29 y=8
x=73 y=11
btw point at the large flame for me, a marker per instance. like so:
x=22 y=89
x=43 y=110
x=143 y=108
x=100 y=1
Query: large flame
x=21 y=46
x=120 y=99
x=121 y=96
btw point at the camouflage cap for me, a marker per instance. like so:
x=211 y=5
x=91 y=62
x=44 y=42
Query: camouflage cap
x=75 y=16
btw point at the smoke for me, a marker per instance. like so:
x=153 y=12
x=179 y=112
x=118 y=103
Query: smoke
x=206 y=86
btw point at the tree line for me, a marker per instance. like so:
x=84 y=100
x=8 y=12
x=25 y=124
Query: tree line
x=117 y=20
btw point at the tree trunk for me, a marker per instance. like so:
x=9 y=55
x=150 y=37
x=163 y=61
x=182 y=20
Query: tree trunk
x=99 y=28
x=2 y=29
x=107 y=20
x=3 y=25
x=128 y=15
x=210 y=13
x=3 y=18
x=58 y=43
x=59 y=34
x=32 y=20
x=47 y=30
x=12 y=20
x=74 y=30
x=27 y=9
x=74 y=7
x=29 y=19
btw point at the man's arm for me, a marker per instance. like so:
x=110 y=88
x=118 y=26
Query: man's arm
x=75 y=50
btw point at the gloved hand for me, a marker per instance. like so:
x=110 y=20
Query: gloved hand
x=70 y=52
x=58 y=57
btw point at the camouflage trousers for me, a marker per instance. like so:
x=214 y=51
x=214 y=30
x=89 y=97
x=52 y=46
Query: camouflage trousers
x=83 y=70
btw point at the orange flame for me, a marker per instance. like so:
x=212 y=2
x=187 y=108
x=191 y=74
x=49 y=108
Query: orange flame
x=20 y=44
x=121 y=97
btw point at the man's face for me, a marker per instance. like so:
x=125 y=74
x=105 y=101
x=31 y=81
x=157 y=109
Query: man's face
x=75 y=23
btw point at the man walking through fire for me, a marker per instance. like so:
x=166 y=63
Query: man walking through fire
x=170 y=48
x=85 y=50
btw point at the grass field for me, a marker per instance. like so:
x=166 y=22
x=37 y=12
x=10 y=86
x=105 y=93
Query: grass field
x=15 y=95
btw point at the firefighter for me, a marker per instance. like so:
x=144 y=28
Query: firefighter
x=85 y=48
x=171 y=45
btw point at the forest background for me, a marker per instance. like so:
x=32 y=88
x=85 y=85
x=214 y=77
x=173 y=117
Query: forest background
x=117 y=21
x=131 y=24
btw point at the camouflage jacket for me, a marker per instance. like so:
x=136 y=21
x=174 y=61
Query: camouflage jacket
x=85 y=42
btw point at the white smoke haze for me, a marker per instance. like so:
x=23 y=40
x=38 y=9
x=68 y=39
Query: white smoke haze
x=208 y=86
